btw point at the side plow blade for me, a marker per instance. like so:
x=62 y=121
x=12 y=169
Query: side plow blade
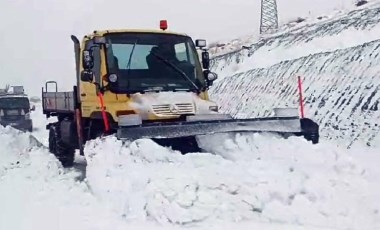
x=287 y=126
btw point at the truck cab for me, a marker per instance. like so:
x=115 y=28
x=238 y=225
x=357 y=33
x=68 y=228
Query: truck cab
x=15 y=109
x=155 y=74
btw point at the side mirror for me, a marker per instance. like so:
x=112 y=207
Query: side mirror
x=87 y=76
x=88 y=60
x=201 y=43
x=33 y=108
x=205 y=60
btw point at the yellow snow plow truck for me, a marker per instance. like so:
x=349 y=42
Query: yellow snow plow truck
x=146 y=84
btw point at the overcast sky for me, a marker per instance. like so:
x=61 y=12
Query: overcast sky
x=35 y=34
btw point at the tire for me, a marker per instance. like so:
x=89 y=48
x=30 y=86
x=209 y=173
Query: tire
x=65 y=154
x=314 y=138
x=310 y=130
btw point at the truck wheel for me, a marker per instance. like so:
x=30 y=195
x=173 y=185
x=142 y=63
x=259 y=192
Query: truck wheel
x=65 y=154
x=312 y=137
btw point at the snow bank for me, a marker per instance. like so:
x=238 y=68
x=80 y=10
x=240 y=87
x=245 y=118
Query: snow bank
x=341 y=91
x=37 y=193
x=249 y=182
x=39 y=124
x=249 y=178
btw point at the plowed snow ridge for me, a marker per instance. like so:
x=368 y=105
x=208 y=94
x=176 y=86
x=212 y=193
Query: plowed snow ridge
x=258 y=178
x=253 y=181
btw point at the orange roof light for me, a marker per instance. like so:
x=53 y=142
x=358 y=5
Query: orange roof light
x=163 y=24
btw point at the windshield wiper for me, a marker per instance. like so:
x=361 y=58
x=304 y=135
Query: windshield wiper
x=183 y=74
x=130 y=57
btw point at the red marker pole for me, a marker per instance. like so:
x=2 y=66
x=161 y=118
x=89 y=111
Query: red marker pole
x=301 y=97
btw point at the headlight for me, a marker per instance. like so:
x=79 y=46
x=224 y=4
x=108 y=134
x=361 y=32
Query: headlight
x=211 y=76
x=112 y=78
x=27 y=116
x=213 y=108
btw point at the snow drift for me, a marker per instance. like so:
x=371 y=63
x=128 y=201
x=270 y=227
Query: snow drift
x=37 y=193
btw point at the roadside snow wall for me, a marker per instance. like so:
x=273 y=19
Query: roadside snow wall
x=339 y=63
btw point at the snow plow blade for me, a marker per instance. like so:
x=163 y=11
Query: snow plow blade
x=286 y=126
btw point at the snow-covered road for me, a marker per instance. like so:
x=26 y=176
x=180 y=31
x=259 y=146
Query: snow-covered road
x=248 y=182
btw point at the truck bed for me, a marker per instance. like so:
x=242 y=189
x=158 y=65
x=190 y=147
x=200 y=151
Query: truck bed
x=58 y=102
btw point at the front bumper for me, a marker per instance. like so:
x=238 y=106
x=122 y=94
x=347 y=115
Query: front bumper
x=23 y=125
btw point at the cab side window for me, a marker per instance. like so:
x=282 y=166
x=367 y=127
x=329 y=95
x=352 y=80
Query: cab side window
x=182 y=52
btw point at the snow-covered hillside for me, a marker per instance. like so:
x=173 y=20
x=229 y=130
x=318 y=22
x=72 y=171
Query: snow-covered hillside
x=325 y=33
x=339 y=63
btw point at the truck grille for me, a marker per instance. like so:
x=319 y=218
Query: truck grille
x=173 y=109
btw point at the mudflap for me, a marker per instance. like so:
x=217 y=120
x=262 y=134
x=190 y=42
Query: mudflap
x=182 y=134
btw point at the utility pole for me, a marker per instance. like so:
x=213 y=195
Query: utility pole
x=269 y=16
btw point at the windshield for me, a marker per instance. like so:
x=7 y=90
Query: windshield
x=152 y=61
x=14 y=103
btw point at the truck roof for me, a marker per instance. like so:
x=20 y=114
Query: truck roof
x=18 y=91
x=103 y=32
x=12 y=95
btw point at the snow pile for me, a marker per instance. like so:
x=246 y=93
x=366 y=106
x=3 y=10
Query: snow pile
x=39 y=124
x=37 y=193
x=249 y=182
x=249 y=178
